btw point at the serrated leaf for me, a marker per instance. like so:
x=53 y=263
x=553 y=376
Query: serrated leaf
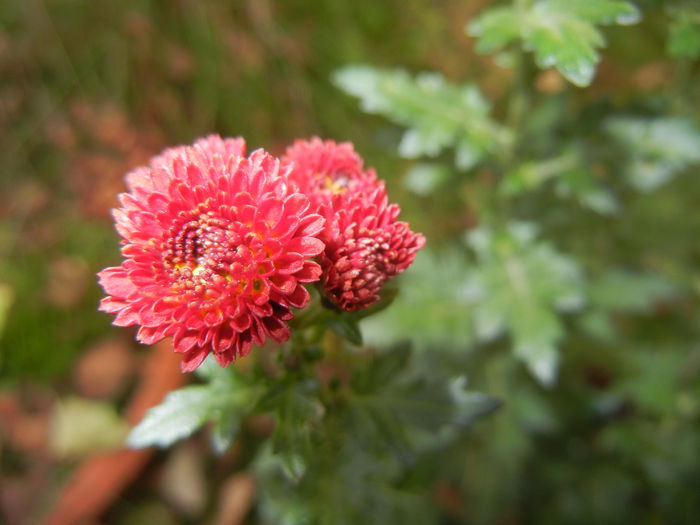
x=495 y=28
x=181 y=413
x=560 y=33
x=656 y=148
x=298 y=412
x=518 y=285
x=224 y=401
x=438 y=114
x=398 y=408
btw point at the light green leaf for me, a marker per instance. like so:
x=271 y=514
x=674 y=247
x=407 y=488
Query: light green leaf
x=438 y=114
x=518 y=285
x=442 y=318
x=224 y=400
x=181 y=413
x=423 y=179
x=656 y=148
x=560 y=33
x=495 y=28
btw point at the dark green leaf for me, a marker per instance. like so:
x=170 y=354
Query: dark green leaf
x=345 y=326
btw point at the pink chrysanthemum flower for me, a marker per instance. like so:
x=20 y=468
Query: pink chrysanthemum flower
x=365 y=247
x=323 y=168
x=216 y=249
x=365 y=244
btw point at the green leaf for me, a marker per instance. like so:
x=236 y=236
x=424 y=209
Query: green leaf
x=560 y=33
x=399 y=409
x=436 y=281
x=298 y=412
x=581 y=185
x=345 y=326
x=181 y=413
x=495 y=29
x=518 y=286
x=623 y=291
x=653 y=379
x=656 y=148
x=438 y=114
x=684 y=37
x=224 y=400
x=572 y=178
x=424 y=179
x=224 y=430
x=470 y=405
x=385 y=367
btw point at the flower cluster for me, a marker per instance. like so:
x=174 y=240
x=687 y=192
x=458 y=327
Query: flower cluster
x=364 y=243
x=218 y=245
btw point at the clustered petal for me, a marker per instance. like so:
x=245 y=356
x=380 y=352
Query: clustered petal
x=218 y=245
x=365 y=245
x=323 y=168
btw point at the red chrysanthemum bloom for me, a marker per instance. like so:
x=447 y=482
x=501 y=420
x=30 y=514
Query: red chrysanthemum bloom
x=323 y=168
x=216 y=249
x=365 y=247
x=365 y=244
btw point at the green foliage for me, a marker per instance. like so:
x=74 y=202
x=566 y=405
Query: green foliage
x=560 y=33
x=624 y=291
x=438 y=114
x=181 y=413
x=365 y=453
x=684 y=33
x=224 y=400
x=572 y=180
x=424 y=178
x=657 y=149
x=518 y=284
x=441 y=321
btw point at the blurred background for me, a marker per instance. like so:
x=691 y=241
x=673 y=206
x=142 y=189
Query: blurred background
x=92 y=89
